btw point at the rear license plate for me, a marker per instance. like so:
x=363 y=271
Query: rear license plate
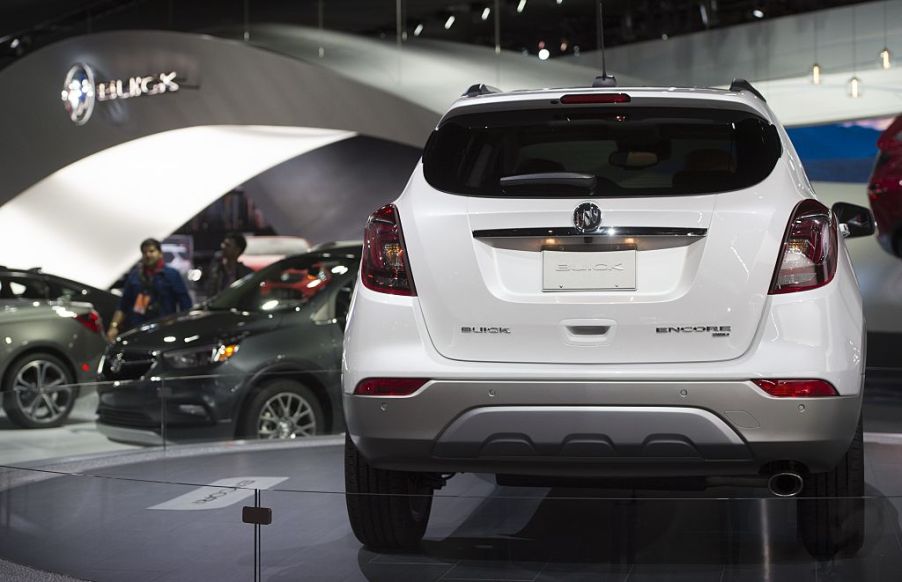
x=588 y=271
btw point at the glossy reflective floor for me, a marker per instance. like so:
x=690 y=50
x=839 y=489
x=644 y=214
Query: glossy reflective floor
x=115 y=522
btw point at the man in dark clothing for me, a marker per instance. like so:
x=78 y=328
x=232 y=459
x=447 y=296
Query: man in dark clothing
x=151 y=290
x=226 y=268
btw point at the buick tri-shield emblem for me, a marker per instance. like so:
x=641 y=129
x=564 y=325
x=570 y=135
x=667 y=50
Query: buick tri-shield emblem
x=116 y=364
x=587 y=217
x=78 y=93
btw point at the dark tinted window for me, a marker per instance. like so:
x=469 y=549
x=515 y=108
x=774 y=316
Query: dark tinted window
x=286 y=284
x=629 y=151
x=21 y=287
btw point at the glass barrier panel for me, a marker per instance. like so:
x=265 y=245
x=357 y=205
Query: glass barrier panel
x=124 y=528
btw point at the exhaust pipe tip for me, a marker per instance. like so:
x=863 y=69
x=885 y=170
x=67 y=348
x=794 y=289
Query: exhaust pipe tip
x=785 y=484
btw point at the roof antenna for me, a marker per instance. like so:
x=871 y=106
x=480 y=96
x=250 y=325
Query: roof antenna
x=604 y=80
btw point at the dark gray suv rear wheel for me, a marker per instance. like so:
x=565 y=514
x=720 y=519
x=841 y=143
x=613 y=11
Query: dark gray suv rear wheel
x=389 y=510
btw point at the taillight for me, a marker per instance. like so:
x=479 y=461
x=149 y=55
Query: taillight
x=808 y=258
x=797 y=388
x=389 y=386
x=384 y=266
x=91 y=321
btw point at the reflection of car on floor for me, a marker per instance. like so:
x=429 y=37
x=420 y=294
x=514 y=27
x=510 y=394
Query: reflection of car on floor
x=35 y=284
x=613 y=286
x=46 y=350
x=885 y=188
x=259 y=360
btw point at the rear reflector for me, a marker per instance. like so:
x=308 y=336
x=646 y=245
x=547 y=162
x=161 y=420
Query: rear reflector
x=595 y=98
x=797 y=388
x=808 y=257
x=384 y=267
x=389 y=386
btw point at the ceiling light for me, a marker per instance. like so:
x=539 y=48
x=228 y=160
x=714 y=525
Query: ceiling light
x=559 y=2
x=521 y=6
x=758 y=13
x=449 y=23
x=855 y=87
x=486 y=12
x=885 y=56
x=816 y=74
x=14 y=43
x=544 y=54
x=418 y=30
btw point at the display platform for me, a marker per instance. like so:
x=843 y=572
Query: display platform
x=146 y=516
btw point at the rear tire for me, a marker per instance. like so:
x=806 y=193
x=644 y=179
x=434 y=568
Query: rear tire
x=388 y=510
x=32 y=395
x=831 y=510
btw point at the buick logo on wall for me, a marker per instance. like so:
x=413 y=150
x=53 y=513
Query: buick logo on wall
x=587 y=217
x=78 y=93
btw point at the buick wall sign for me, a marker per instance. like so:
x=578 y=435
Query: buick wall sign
x=80 y=90
x=78 y=93
x=587 y=217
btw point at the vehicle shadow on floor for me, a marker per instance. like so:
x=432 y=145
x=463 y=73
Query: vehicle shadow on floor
x=568 y=536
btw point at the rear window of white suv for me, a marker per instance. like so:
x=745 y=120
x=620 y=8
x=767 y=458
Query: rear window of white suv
x=579 y=151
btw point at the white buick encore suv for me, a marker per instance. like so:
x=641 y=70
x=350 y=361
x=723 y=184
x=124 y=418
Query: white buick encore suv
x=608 y=285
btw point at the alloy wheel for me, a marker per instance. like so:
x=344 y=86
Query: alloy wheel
x=41 y=390
x=286 y=415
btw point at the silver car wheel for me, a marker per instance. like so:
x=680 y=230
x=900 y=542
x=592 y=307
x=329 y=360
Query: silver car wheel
x=286 y=415
x=38 y=391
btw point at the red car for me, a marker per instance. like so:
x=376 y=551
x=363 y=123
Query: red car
x=885 y=188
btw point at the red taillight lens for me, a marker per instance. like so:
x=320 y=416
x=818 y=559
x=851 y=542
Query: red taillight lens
x=579 y=99
x=384 y=267
x=91 y=321
x=808 y=258
x=797 y=388
x=389 y=386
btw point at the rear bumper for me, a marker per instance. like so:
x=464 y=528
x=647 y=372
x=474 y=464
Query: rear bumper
x=590 y=428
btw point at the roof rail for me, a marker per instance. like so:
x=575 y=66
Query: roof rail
x=743 y=85
x=480 y=89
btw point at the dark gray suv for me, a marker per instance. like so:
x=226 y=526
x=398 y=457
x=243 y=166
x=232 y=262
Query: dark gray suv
x=259 y=360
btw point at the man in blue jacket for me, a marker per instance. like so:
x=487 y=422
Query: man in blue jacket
x=151 y=290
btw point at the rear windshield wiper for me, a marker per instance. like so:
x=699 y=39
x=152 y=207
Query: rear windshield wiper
x=560 y=181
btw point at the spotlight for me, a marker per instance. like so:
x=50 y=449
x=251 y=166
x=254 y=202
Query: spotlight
x=854 y=87
x=544 y=54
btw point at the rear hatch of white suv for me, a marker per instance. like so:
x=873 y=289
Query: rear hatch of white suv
x=597 y=228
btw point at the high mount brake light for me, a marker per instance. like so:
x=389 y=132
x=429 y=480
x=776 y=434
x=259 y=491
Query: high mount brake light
x=389 y=386
x=809 y=251
x=580 y=98
x=384 y=267
x=797 y=388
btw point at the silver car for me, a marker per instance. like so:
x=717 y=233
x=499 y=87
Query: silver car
x=47 y=349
